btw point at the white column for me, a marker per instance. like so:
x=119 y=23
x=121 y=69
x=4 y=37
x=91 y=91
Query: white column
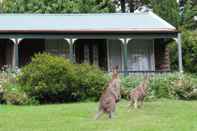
x=179 y=48
x=179 y=52
x=15 y=56
x=71 y=42
x=125 y=42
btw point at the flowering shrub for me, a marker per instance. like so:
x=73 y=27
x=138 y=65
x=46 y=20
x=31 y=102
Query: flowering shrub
x=13 y=94
x=7 y=77
x=173 y=85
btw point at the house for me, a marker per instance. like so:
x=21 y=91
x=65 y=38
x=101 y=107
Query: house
x=134 y=41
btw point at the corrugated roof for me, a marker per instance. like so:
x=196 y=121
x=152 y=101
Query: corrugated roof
x=84 y=22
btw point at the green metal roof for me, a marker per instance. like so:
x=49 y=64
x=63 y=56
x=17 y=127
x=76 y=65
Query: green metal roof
x=115 y=22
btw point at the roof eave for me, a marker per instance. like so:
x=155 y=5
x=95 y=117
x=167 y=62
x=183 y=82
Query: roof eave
x=163 y=30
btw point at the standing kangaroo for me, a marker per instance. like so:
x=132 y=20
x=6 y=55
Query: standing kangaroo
x=110 y=96
x=138 y=94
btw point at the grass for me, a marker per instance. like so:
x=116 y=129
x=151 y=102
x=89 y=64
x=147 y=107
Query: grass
x=161 y=115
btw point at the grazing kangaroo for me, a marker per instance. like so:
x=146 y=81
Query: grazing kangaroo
x=110 y=96
x=138 y=94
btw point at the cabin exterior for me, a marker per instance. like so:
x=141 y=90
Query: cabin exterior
x=137 y=42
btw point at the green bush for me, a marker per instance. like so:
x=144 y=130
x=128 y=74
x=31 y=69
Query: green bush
x=185 y=88
x=129 y=83
x=48 y=78
x=91 y=81
x=7 y=75
x=174 y=85
x=1 y=94
x=52 y=79
x=189 y=49
x=160 y=85
x=14 y=95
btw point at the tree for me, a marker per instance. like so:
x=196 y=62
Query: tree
x=187 y=19
x=167 y=9
x=123 y=5
x=130 y=5
x=194 y=2
x=189 y=48
x=58 y=6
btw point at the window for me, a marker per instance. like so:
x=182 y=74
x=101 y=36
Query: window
x=141 y=55
x=58 y=47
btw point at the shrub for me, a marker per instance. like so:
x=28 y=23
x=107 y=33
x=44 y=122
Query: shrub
x=7 y=75
x=91 y=81
x=185 y=88
x=189 y=49
x=129 y=83
x=160 y=85
x=52 y=79
x=48 y=78
x=174 y=85
x=13 y=95
x=1 y=93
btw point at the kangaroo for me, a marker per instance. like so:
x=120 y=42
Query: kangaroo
x=138 y=94
x=110 y=96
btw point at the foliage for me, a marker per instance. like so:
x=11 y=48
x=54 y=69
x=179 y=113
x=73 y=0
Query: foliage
x=188 y=16
x=91 y=81
x=130 y=5
x=165 y=86
x=10 y=91
x=189 y=49
x=185 y=88
x=7 y=75
x=48 y=78
x=129 y=83
x=58 y=6
x=14 y=95
x=168 y=10
x=52 y=79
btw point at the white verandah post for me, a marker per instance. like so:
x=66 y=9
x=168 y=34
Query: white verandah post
x=71 y=42
x=125 y=42
x=179 y=47
x=15 y=56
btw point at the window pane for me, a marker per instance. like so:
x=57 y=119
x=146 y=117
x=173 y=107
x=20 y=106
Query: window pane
x=140 y=55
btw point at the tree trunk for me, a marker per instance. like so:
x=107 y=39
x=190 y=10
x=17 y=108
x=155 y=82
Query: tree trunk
x=122 y=4
x=131 y=5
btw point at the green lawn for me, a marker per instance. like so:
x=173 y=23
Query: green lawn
x=161 y=115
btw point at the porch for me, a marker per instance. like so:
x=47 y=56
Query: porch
x=138 y=56
x=134 y=46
